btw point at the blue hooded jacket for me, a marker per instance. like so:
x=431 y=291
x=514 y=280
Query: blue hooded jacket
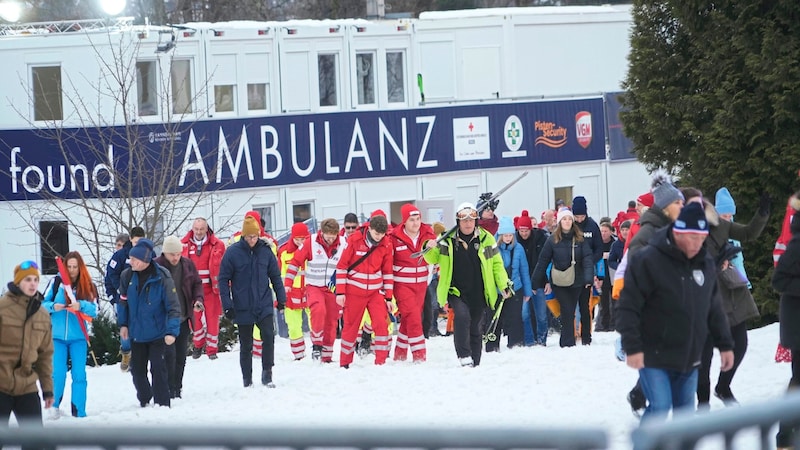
x=66 y=325
x=520 y=271
x=153 y=313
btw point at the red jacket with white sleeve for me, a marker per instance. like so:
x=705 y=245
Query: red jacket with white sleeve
x=406 y=269
x=372 y=274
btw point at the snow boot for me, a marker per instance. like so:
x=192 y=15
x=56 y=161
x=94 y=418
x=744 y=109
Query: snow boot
x=726 y=396
x=364 y=347
x=316 y=352
x=266 y=378
x=466 y=362
x=125 y=365
x=247 y=381
x=637 y=401
x=197 y=352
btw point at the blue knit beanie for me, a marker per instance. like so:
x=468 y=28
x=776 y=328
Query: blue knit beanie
x=506 y=226
x=724 y=202
x=143 y=250
x=579 y=206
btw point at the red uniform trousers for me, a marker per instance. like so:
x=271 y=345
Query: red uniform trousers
x=212 y=310
x=410 y=300
x=354 y=306
x=324 y=319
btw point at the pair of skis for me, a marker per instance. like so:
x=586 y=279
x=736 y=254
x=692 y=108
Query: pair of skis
x=480 y=207
x=69 y=295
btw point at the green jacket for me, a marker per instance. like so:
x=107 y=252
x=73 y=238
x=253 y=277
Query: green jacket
x=493 y=272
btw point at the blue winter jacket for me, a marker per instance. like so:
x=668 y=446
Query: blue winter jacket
x=155 y=312
x=519 y=266
x=244 y=281
x=118 y=263
x=66 y=325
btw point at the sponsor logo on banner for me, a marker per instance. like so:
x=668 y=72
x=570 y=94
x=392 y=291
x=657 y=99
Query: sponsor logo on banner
x=164 y=136
x=550 y=134
x=471 y=138
x=513 y=135
x=583 y=128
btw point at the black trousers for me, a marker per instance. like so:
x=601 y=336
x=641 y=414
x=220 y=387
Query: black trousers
x=739 y=334
x=605 y=309
x=27 y=408
x=509 y=323
x=467 y=327
x=785 y=430
x=568 y=298
x=246 y=346
x=175 y=355
x=427 y=314
x=141 y=354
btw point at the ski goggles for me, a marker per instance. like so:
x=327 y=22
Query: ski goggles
x=467 y=214
x=25 y=265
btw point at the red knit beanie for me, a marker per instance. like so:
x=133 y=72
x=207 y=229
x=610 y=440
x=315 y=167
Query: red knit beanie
x=300 y=230
x=524 y=220
x=408 y=210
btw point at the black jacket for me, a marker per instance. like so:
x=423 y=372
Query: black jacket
x=651 y=220
x=669 y=306
x=533 y=246
x=786 y=280
x=561 y=256
x=591 y=234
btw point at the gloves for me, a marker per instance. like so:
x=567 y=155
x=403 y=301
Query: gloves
x=281 y=306
x=764 y=203
x=230 y=314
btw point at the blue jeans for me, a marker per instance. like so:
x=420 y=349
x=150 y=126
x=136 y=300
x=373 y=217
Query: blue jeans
x=667 y=389
x=540 y=310
x=124 y=344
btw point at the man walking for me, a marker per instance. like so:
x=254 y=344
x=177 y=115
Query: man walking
x=205 y=250
x=248 y=270
x=471 y=275
x=189 y=290
x=149 y=316
x=118 y=263
x=669 y=306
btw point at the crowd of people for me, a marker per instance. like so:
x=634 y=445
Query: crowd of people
x=666 y=273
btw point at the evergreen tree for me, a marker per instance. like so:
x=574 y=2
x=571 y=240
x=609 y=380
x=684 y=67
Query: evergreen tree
x=712 y=93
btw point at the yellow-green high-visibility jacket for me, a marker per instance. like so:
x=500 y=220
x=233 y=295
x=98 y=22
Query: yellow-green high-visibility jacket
x=492 y=269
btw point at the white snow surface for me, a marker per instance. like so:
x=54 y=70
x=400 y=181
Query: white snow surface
x=583 y=386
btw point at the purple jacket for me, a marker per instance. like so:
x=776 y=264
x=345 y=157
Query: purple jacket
x=191 y=287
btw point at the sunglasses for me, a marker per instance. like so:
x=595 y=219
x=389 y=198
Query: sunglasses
x=28 y=264
x=466 y=214
x=350 y=227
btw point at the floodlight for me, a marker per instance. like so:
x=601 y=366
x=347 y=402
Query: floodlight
x=112 y=7
x=10 y=11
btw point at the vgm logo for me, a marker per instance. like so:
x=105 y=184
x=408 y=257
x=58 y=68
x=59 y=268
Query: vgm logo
x=583 y=128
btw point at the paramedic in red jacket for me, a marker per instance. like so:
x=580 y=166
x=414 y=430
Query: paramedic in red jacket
x=205 y=250
x=320 y=257
x=410 y=282
x=368 y=285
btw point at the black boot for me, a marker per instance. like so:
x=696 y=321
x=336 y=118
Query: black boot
x=366 y=342
x=316 y=352
x=266 y=378
x=247 y=382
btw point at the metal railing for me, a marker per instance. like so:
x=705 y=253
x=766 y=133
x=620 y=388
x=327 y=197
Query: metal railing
x=684 y=431
x=308 y=437
x=65 y=26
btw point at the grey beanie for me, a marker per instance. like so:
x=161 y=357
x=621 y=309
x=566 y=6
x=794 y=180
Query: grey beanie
x=664 y=191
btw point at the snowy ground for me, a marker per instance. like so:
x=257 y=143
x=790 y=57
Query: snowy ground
x=525 y=387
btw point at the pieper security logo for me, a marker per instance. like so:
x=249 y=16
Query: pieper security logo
x=513 y=136
x=583 y=128
x=551 y=135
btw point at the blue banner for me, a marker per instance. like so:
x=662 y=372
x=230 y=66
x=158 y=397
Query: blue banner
x=284 y=150
x=620 y=146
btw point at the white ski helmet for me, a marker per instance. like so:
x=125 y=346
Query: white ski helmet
x=465 y=206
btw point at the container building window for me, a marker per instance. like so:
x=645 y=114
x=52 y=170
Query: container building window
x=47 y=103
x=147 y=88
x=327 y=80
x=256 y=96
x=53 y=241
x=365 y=77
x=224 y=98
x=396 y=77
x=181 y=80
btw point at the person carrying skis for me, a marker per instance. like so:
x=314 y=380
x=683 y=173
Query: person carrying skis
x=68 y=314
x=471 y=275
x=410 y=282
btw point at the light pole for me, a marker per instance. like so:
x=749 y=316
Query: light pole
x=10 y=11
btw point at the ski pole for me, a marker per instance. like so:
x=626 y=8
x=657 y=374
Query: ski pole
x=490 y=336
